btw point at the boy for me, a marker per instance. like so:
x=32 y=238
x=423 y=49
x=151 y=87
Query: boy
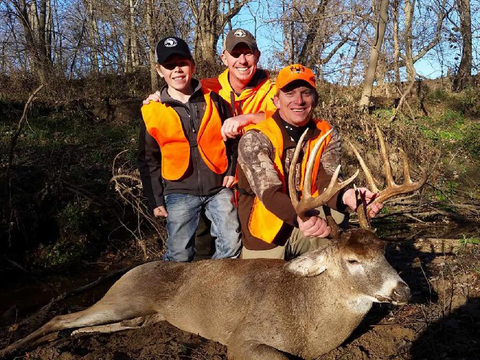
x=184 y=164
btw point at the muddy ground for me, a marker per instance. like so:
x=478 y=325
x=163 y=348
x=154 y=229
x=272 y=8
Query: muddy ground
x=439 y=260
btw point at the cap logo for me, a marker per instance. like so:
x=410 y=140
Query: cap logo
x=297 y=69
x=170 y=42
x=240 y=33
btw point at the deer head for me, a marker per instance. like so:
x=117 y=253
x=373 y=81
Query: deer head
x=359 y=253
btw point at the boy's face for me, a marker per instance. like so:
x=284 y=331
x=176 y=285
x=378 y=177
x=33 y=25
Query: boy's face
x=241 y=62
x=177 y=71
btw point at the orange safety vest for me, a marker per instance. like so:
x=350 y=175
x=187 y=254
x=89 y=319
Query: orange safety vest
x=250 y=101
x=164 y=125
x=264 y=224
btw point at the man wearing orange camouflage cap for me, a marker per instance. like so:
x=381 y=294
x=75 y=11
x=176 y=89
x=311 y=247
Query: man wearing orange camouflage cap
x=270 y=225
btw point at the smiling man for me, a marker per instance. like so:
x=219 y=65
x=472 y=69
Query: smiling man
x=246 y=87
x=270 y=225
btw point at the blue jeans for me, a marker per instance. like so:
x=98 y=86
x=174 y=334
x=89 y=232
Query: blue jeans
x=182 y=221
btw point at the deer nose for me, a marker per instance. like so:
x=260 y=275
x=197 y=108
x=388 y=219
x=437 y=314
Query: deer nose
x=401 y=293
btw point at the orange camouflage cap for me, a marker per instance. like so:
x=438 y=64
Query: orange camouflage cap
x=295 y=72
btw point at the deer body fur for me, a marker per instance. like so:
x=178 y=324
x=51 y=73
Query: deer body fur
x=260 y=309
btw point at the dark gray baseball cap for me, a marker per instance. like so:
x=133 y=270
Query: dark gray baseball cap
x=169 y=46
x=238 y=36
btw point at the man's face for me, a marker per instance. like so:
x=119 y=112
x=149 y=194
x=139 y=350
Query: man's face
x=241 y=62
x=177 y=71
x=295 y=103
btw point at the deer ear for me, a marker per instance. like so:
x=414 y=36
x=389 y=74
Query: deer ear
x=310 y=264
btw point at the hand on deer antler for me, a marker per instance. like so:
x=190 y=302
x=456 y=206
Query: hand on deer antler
x=314 y=226
x=350 y=198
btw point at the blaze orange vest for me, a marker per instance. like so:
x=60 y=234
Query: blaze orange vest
x=264 y=224
x=250 y=101
x=164 y=125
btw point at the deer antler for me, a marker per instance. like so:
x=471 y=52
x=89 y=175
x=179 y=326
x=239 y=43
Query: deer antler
x=392 y=188
x=308 y=202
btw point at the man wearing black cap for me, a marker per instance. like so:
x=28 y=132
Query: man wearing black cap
x=184 y=164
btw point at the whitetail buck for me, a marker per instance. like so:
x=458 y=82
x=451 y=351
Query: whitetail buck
x=260 y=309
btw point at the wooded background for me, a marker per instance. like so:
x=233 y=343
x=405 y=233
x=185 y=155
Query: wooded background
x=349 y=42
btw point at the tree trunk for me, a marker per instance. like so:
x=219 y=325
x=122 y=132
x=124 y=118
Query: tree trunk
x=409 y=9
x=132 y=35
x=93 y=35
x=396 y=45
x=210 y=23
x=464 y=75
x=307 y=54
x=33 y=18
x=374 y=55
x=152 y=43
x=207 y=32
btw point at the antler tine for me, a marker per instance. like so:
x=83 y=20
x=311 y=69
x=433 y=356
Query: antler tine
x=291 y=174
x=386 y=163
x=368 y=174
x=307 y=184
x=406 y=173
x=307 y=202
x=392 y=188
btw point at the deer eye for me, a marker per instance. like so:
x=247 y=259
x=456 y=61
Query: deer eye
x=353 y=262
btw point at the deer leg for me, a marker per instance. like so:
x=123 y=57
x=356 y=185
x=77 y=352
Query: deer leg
x=102 y=312
x=135 y=323
x=254 y=350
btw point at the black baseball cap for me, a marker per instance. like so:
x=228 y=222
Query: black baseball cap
x=169 y=46
x=238 y=36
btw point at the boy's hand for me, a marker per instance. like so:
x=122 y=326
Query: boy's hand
x=315 y=226
x=160 y=211
x=152 y=97
x=229 y=181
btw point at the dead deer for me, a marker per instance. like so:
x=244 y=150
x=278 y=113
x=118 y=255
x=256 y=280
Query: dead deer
x=260 y=309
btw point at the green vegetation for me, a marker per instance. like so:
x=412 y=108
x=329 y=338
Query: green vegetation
x=469 y=240
x=62 y=207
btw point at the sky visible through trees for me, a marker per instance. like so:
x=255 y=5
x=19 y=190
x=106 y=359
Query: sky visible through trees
x=76 y=38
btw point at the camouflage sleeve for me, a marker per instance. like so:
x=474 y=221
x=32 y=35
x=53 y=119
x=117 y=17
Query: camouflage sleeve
x=255 y=156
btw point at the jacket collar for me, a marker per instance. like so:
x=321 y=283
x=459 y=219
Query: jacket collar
x=313 y=131
x=165 y=97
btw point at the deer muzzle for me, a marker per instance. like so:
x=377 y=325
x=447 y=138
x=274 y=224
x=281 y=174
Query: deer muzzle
x=401 y=294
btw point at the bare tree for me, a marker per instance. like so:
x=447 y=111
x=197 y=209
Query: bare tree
x=210 y=22
x=374 y=55
x=464 y=75
x=149 y=16
x=36 y=20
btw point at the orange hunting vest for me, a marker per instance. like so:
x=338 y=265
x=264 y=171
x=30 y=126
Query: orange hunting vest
x=263 y=224
x=250 y=101
x=164 y=125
